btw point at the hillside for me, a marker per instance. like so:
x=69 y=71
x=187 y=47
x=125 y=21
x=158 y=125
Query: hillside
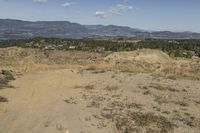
x=143 y=60
x=18 y=29
x=84 y=92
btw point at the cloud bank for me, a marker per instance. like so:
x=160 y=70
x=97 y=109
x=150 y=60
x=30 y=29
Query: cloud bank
x=68 y=4
x=119 y=9
x=40 y=1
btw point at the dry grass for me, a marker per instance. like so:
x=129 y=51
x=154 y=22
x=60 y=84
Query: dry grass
x=163 y=88
x=3 y=99
x=182 y=103
x=146 y=119
x=161 y=100
x=5 y=77
x=111 y=88
x=139 y=61
x=71 y=100
x=89 y=87
x=91 y=68
x=181 y=68
x=99 y=71
x=132 y=121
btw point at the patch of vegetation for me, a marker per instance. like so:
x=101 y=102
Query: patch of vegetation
x=78 y=87
x=161 y=100
x=143 y=120
x=113 y=76
x=162 y=88
x=175 y=48
x=111 y=88
x=147 y=92
x=71 y=101
x=129 y=71
x=89 y=87
x=144 y=87
x=91 y=68
x=197 y=102
x=187 y=119
x=129 y=121
x=5 y=77
x=133 y=105
x=146 y=119
x=93 y=104
x=3 y=83
x=99 y=71
x=166 y=112
x=182 y=103
x=180 y=53
x=172 y=77
x=3 y=99
x=158 y=86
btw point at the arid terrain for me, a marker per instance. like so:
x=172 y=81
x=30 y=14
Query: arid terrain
x=142 y=91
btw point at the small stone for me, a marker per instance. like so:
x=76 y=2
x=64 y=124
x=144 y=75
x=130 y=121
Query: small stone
x=46 y=124
x=66 y=131
x=59 y=127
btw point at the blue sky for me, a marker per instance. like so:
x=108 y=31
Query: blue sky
x=173 y=15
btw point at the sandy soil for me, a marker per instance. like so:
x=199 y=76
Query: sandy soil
x=74 y=101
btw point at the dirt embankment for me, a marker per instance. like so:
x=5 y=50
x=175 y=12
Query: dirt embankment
x=20 y=59
x=145 y=60
x=154 y=61
x=5 y=77
x=86 y=97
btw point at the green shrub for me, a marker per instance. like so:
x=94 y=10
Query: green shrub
x=180 y=53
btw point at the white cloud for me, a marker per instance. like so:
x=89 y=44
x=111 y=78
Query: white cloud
x=119 y=9
x=68 y=4
x=40 y=1
x=101 y=14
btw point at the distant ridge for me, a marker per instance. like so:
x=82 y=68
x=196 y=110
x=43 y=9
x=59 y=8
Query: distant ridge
x=19 y=29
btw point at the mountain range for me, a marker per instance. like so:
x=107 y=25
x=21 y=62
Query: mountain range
x=18 y=29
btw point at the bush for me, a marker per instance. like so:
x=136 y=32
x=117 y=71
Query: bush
x=6 y=76
x=180 y=53
x=197 y=51
x=3 y=99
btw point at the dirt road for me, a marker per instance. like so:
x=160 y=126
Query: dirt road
x=36 y=104
x=67 y=101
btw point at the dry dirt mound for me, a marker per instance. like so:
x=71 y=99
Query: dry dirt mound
x=17 y=55
x=43 y=56
x=182 y=68
x=27 y=59
x=145 y=55
x=144 y=60
x=156 y=61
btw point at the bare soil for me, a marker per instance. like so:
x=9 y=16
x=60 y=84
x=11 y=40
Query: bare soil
x=67 y=101
x=98 y=93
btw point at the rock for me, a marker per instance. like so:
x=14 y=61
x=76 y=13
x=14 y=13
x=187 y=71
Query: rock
x=66 y=131
x=59 y=127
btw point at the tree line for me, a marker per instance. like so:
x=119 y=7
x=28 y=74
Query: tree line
x=176 y=48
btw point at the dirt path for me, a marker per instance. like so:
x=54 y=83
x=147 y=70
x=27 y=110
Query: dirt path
x=36 y=104
x=66 y=101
